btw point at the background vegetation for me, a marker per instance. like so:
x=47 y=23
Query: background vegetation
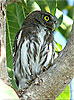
x=16 y=12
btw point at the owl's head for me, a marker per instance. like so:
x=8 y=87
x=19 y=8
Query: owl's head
x=43 y=18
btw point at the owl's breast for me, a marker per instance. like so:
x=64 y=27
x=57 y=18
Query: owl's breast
x=36 y=52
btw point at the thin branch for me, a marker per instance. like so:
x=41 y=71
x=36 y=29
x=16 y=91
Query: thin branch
x=3 y=68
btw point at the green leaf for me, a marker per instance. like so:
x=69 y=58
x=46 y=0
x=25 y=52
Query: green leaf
x=60 y=19
x=52 y=6
x=20 y=14
x=59 y=16
x=14 y=19
x=66 y=26
x=58 y=47
x=32 y=5
x=65 y=95
x=71 y=12
x=62 y=4
x=41 y=4
x=47 y=5
x=29 y=5
x=65 y=23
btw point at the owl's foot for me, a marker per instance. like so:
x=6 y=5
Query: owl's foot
x=44 y=68
x=38 y=80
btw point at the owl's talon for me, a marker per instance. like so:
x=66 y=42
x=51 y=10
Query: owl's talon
x=44 y=69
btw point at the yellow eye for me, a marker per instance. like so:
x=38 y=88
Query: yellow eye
x=46 y=18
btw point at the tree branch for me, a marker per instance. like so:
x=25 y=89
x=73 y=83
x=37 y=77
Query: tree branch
x=54 y=80
x=3 y=68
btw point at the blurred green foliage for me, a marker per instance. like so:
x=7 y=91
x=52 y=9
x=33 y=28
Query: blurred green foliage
x=65 y=95
x=16 y=12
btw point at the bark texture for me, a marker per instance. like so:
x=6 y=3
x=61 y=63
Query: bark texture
x=3 y=67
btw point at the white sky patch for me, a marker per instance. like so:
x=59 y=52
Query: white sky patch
x=72 y=89
x=58 y=37
x=70 y=2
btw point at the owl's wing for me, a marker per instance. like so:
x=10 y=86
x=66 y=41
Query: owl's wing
x=21 y=59
x=21 y=35
x=16 y=46
x=16 y=54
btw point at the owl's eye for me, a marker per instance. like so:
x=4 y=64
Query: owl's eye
x=46 y=18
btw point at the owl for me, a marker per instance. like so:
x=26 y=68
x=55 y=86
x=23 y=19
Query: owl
x=33 y=50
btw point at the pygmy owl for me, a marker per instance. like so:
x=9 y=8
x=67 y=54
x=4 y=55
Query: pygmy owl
x=33 y=49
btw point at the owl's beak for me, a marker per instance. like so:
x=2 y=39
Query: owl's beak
x=55 y=25
x=52 y=25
